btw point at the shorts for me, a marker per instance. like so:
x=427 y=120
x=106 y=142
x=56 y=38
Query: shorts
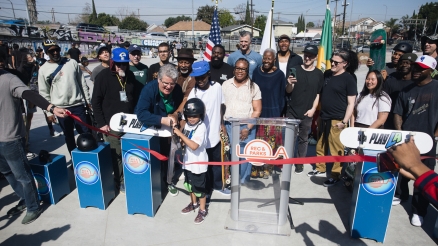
x=196 y=183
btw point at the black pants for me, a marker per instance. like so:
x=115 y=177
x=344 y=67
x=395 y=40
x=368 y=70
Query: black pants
x=303 y=136
x=214 y=177
x=68 y=126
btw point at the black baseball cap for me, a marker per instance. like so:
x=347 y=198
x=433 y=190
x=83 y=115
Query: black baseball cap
x=311 y=49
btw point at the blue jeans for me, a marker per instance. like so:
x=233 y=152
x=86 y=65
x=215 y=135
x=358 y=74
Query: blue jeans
x=16 y=169
x=245 y=168
x=68 y=126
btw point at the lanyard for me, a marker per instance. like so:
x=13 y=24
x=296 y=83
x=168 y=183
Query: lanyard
x=122 y=85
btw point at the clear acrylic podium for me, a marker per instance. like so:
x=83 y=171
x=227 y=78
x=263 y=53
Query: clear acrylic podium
x=262 y=205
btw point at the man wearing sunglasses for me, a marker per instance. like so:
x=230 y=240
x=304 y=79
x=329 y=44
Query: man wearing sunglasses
x=115 y=91
x=158 y=102
x=61 y=82
x=415 y=110
x=139 y=69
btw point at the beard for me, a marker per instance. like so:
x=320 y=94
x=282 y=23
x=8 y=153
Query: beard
x=121 y=73
x=217 y=63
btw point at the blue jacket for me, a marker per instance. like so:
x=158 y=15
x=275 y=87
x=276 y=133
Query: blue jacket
x=150 y=107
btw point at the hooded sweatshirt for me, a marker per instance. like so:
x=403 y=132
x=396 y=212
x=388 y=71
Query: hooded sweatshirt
x=65 y=89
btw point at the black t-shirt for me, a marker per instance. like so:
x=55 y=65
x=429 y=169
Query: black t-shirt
x=334 y=94
x=74 y=54
x=18 y=58
x=393 y=86
x=153 y=71
x=309 y=84
x=418 y=107
x=225 y=72
x=390 y=68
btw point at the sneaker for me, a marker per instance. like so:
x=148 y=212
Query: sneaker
x=31 y=216
x=225 y=191
x=417 y=220
x=54 y=133
x=172 y=190
x=122 y=188
x=299 y=169
x=201 y=216
x=330 y=182
x=266 y=174
x=396 y=201
x=315 y=173
x=261 y=174
x=20 y=207
x=190 y=208
x=30 y=155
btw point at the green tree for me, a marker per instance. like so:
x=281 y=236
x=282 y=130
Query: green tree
x=205 y=13
x=393 y=26
x=106 y=20
x=248 y=15
x=300 y=24
x=429 y=11
x=133 y=23
x=260 y=23
x=225 y=18
x=310 y=24
x=93 y=16
x=172 y=20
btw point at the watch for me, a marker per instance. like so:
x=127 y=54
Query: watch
x=52 y=108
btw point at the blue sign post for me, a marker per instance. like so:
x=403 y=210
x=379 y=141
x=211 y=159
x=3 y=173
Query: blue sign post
x=142 y=172
x=94 y=176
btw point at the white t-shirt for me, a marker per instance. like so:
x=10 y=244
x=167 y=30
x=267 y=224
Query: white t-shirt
x=283 y=67
x=197 y=134
x=212 y=99
x=366 y=113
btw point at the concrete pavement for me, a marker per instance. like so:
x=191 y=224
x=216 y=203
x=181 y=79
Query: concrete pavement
x=322 y=220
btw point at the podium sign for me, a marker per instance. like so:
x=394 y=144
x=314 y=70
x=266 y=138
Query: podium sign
x=142 y=172
x=94 y=176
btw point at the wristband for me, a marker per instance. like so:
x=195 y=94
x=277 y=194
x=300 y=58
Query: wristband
x=52 y=108
x=343 y=122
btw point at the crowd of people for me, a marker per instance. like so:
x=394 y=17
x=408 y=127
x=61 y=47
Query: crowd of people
x=208 y=94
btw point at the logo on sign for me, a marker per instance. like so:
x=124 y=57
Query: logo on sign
x=42 y=184
x=258 y=149
x=136 y=161
x=377 y=183
x=87 y=173
x=387 y=139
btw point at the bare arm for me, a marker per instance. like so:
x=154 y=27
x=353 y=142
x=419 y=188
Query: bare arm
x=381 y=118
x=398 y=121
x=191 y=144
x=350 y=108
x=311 y=111
x=352 y=120
x=291 y=80
x=257 y=110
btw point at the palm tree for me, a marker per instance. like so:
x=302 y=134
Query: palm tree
x=392 y=25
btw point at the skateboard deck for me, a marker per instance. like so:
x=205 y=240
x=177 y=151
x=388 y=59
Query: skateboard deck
x=225 y=150
x=379 y=139
x=129 y=123
x=378 y=49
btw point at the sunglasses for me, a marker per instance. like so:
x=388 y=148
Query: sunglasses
x=53 y=50
x=335 y=62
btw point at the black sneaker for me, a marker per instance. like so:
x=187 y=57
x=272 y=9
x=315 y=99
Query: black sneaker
x=299 y=169
x=330 y=182
x=31 y=216
x=20 y=207
x=315 y=173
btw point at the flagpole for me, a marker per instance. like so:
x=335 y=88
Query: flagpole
x=270 y=28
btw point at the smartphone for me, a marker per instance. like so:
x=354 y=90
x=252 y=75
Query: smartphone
x=386 y=163
x=293 y=72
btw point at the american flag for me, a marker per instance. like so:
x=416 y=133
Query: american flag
x=214 y=38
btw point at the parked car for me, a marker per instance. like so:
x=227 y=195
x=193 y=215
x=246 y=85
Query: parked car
x=363 y=49
x=344 y=45
x=85 y=27
x=256 y=40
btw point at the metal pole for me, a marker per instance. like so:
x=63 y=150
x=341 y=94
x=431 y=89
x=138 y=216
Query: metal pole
x=435 y=27
x=252 y=20
x=351 y=15
x=289 y=145
x=343 y=18
x=235 y=182
x=386 y=10
x=13 y=10
x=27 y=10
x=305 y=27
x=270 y=28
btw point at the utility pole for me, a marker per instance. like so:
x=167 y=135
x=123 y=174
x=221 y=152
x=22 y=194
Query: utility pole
x=138 y=11
x=343 y=19
x=13 y=10
x=27 y=11
x=334 y=22
x=252 y=19
x=68 y=18
x=53 y=15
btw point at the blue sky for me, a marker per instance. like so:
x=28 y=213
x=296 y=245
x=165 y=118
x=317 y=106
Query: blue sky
x=158 y=10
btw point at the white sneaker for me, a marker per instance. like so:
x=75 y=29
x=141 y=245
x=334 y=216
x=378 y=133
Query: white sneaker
x=396 y=201
x=417 y=220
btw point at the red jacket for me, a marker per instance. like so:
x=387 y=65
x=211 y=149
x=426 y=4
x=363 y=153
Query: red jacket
x=428 y=185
